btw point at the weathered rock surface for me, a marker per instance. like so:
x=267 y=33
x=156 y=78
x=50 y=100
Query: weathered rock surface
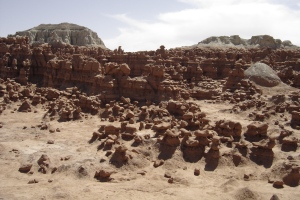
x=235 y=40
x=263 y=75
x=58 y=34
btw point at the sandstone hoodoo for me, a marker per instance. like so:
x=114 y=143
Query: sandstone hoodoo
x=86 y=121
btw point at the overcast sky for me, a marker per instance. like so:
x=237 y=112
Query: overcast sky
x=147 y=24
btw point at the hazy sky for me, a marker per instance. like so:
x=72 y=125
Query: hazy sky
x=147 y=24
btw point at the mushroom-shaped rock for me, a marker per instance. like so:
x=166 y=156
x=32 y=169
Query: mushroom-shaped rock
x=293 y=178
x=256 y=131
x=188 y=116
x=228 y=128
x=162 y=126
x=130 y=128
x=265 y=144
x=203 y=133
x=119 y=158
x=171 y=133
x=215 y=143
x=125 y=69
x=111 y=129
x=129 y=115
x=121 y=149
x=171 y=138
x=185 y=132
x=192 y=142
x=290 y=143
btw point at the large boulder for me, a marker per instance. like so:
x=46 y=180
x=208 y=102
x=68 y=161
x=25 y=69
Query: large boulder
x=262 y=74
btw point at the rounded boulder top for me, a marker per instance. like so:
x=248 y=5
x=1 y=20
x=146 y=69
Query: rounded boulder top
x=262 y=74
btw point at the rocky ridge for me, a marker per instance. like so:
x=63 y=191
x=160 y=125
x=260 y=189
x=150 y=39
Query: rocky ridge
x=55 y=34
x=263 y=41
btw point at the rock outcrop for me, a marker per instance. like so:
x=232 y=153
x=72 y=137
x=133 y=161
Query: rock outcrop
x=58 y=34
x=264 y=41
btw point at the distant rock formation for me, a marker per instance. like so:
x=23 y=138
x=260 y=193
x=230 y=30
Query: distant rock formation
x=255 y=41
x=67 y=33
x=160 y=75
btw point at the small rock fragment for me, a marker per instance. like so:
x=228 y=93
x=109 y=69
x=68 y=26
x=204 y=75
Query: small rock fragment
x=274 y=197
x=33 y=181
x=278 y=184
x=158 y=163
x=168 y=175
x=170 y=180
x=197 y=172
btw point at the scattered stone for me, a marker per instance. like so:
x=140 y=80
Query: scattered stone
x=278 y=184
x=142 y=173
x=246 y=177
x=44 y=160
x=82 y=171
x=52 y=130
x=274 y=197
x=103 y=175
x=158 y=163
x=168 y=175
x=196 y=171
x=25 y=168
x=33 y=181
x=54 y=169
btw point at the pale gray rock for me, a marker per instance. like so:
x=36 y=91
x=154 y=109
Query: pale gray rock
x=262 y=74
x=262 y=41
x=60 y=34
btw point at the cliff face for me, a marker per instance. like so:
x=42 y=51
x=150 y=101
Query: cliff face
x=199 y=72
x=61 y=33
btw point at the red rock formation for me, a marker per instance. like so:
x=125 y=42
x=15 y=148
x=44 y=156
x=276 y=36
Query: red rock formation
x=150 y=75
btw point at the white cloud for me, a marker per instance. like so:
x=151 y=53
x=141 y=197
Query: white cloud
x=208 y=18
